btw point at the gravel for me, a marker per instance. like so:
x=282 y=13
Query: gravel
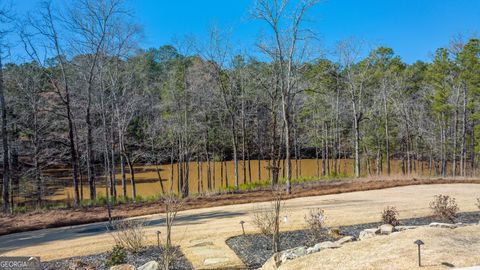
x=255 y=249
x=97 y=261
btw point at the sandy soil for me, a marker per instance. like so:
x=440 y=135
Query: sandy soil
x=443 y=249
x=202 y=232
x=68 y=217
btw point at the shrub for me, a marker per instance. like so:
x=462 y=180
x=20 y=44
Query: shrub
x=444 y=207
x=478 y=203
x=129 y=234
x=116 y=257
x=264 y=219
x=315 y=222
x=390 y=216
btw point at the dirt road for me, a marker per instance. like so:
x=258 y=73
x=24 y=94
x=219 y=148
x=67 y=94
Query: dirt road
x=202 y=232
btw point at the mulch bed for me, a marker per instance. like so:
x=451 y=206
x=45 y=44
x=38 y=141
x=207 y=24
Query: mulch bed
x=255 y=249
x=97 y=261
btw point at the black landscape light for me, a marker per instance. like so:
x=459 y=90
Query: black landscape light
x=158 y=239
x=419 y=243
x=241 y=223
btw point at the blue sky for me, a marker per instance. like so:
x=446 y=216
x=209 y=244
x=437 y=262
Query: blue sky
x=413 y=28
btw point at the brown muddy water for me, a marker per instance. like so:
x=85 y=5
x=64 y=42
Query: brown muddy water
x=147 y=177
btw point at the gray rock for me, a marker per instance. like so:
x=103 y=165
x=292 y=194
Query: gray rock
x=273 y=263
x=442 y=225
x=211 y=261
x=386 y=229
x=368 y=233
x=323 y=245
x=151 y=265
x=404 y=228
x=394 y=233
x=293 y=253
x=327 y=244
x=345 y=239
x=123 y=267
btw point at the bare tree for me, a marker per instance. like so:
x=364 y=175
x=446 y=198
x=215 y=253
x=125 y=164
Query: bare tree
x=355 y=80
x=285 y=53
x=93 y=23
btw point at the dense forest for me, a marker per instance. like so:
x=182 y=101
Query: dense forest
x=89 y=99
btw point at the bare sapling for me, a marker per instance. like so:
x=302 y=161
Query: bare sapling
x=267 y=219
x=277 y=207
x=172 y=204
x=129 y=234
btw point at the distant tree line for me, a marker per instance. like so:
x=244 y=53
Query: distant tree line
x=90 y=100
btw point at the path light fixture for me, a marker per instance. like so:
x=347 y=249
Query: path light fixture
x=158 y=238
x=285 y=219
x=243 y=229
x=419 y=243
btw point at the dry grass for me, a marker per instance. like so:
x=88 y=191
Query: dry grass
x=58 y=218
x=458 y=247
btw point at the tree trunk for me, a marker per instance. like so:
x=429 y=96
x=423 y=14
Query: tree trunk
x=6 y=165
x=464 y=128
x=244 y=142
x=356 y=122
x=73 y=152
x=198 y=175
x=90 y=168
x=455 y=132
x=259 y=164
x=288 y=162
x=234 y=146
x=172 y=169
x=387 y=136
x=132 y=178
x=124 y=180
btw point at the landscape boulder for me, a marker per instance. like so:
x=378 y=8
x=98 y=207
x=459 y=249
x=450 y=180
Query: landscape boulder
x=281 y=257
x=323 y=245
x=151 y=265
x=386 y=229
x=123 y=267
x=345 y=239
x=443 y=225
x=368 y=233
x=404 y=228
x=273 y=263
x=293 y=253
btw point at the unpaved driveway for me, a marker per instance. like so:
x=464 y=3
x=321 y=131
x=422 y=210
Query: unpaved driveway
x=202 y=232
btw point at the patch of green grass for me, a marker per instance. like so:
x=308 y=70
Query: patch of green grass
x=101 y=199
x=20 y=209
